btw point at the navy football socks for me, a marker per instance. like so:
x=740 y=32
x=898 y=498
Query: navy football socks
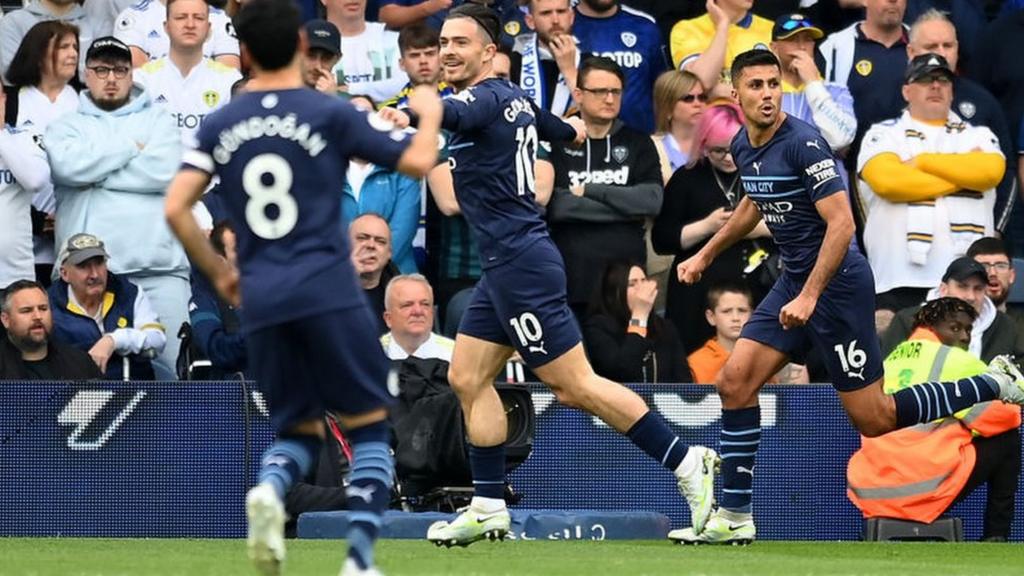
x=652 y=435
x=741 y=435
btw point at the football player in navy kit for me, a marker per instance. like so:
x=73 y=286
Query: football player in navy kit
x=824 y=297
x=519 y=304
x=281 y=151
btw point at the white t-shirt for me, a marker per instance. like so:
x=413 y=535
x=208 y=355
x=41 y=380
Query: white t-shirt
x=189 y=99
x=886 y=223
x=369 y=63
x=436 y=346
x=23 y=168
x=36 y=112
x=142 y=25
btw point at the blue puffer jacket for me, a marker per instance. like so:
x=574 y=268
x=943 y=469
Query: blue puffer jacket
x=73 y=327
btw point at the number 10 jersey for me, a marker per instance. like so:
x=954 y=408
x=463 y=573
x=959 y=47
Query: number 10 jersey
x=495 y=130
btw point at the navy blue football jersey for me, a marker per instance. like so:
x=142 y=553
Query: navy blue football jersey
x=633 y=39
x=784 y=178
x=495 y=129
x=281 y=157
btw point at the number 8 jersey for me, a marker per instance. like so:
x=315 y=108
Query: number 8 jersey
x=493 y=148
x=281 y=157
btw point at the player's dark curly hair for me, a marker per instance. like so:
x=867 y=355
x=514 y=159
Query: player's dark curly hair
x=269 y=29
x=940 y=309
x=484 y=17
x=751 y=58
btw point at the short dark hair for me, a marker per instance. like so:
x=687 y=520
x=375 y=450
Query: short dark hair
x=217 y=236
x=14 y=288
x=591 y=63
x=751 y=58
x=484 y=17
x=26 y=67
x=935 y=311
x=989 y=245
x=716 y=290
x=269 y=29
x=417 y=37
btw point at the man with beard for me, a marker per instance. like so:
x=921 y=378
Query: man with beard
x=111 y=163
x=633 y=40
x=823 y=298
x=27 y=352
x=993 y=254
x=544 y=63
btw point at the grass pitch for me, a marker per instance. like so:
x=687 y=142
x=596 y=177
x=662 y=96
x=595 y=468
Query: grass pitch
x=137 y=557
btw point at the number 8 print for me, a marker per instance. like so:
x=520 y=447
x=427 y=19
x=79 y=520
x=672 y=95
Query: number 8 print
x=276 y=194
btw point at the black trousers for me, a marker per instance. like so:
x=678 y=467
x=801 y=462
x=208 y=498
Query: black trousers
x=998 y=465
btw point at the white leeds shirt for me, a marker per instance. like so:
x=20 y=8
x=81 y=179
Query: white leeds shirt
x=369 y=63
x=190 y=98
x=142 y=25
x=23 y=170
x=885 y=227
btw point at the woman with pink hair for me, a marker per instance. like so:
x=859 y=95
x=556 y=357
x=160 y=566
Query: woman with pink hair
x=698 y=200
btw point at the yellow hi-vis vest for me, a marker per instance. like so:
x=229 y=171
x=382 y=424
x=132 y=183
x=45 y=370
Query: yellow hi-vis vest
x=916 y=473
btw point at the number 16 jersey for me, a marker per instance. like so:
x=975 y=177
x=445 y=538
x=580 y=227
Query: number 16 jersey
x=281 y=157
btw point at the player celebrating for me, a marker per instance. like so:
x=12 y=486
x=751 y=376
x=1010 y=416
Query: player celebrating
x=825 y=297
x=520 y=301
x=281 y=151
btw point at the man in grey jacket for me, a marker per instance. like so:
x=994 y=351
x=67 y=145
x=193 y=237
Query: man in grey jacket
x=111 y=163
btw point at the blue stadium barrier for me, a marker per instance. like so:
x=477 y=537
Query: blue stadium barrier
x=174 y=459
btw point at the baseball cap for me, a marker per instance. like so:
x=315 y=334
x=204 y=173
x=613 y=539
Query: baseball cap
x=323 y=35
x=924 y=65
x=789 y=24
x=109 y=46
x=963 y=268
x=82 y=247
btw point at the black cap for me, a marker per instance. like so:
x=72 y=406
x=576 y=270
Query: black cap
x=924 y=65
x=963 y=268
x=789 y=24
x=109 y=46
x=323 y=35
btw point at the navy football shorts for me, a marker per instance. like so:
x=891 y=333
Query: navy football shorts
x=842 y=326
x=522 y=303
x=331 y=361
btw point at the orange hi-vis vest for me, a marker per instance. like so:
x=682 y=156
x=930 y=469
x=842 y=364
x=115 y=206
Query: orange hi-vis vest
x=916 y=473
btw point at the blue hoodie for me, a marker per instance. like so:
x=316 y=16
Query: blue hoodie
x=107 y=186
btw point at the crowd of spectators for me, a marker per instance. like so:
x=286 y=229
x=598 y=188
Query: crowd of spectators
x=924 y=107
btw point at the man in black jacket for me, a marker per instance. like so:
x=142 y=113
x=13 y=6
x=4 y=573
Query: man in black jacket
x=604 y=190
x=994 y=333
x=27 y=352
